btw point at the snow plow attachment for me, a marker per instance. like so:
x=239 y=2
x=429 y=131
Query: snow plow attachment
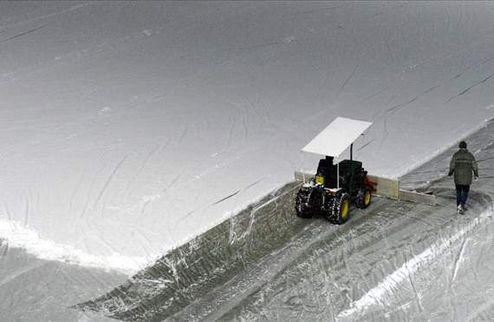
x=385 y=187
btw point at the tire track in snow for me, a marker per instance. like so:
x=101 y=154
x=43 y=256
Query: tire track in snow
x=465 y=91
x=393 y=109
x=108 y=180
x=389 y=112
x=375 y=94
x=431 y=89
x=458 y=260
x=310 y=12
x=22 y=34
x=7 y=210
x=475 y=315
x=53 y=14
x=192 y=212
x=21 y=271
x=417 y=296
x=145 y=163
x=28 y=207
x=237 y=192
x=347 y=80
x=74 y=191
x=245 y=121
x=365 y=145
x=378 y=294
x=183 y=135
x=233 y=124
x=4 y=248
x=485 y=61
x=226 y=198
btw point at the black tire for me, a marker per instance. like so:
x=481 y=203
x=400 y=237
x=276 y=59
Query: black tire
x=302 y=206
x=328 y=207
x=364 y=198
x=341 y=209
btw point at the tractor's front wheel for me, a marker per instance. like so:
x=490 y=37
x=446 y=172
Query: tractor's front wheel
x=303 y=204
x=341 y=209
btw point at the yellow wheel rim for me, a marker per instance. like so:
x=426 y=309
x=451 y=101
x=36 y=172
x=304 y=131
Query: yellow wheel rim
x=367 y=198
x=345 y=207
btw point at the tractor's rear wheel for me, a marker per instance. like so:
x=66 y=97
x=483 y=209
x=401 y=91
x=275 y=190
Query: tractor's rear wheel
x=364 y=198
x=341 y=209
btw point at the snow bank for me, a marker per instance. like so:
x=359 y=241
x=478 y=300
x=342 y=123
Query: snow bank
x=20 y=237
x=128 y=128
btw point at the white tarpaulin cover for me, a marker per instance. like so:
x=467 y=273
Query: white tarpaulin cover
x=337 y=137
x=148 y=148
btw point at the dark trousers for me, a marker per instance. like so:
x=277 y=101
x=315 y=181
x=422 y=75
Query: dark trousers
x=462 y=194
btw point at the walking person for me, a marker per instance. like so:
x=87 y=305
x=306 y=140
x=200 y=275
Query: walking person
x=463 y=165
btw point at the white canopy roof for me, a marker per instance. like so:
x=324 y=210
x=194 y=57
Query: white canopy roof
x=337 y=137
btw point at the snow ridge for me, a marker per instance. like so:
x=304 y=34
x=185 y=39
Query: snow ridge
x=19 y=236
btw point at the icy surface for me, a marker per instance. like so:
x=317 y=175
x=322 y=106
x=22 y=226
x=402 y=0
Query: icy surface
x=128 y=128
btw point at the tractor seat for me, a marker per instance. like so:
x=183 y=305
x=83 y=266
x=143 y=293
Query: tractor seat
x=327 y=169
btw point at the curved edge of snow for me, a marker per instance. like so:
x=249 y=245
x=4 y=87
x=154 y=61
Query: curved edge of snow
x=18 y=236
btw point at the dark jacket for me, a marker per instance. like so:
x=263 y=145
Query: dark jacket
x=462 y=165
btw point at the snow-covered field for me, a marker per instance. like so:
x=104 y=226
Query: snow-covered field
x=128 y=128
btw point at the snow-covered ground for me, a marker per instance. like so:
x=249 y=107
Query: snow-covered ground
x=393 y=261
x=128 y=128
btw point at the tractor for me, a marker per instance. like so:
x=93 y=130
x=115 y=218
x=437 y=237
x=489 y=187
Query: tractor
x=335 y=186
